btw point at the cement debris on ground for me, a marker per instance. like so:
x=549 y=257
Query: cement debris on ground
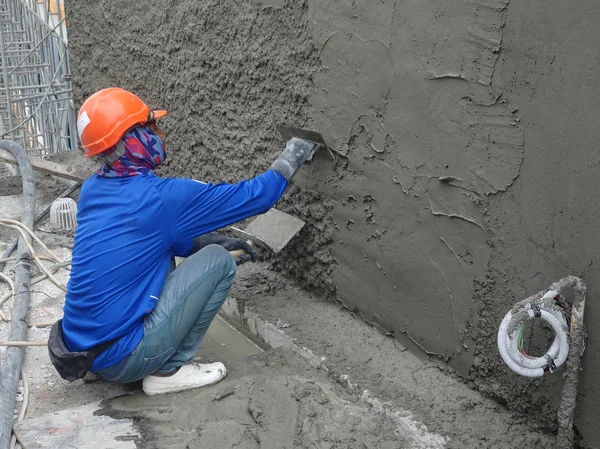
x=330 y=380
x=273 y=400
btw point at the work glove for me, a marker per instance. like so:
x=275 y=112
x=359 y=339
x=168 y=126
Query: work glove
x=296 y=152
x=229 y=243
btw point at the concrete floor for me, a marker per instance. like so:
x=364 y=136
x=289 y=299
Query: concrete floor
x=272 y=399
x=79 y=426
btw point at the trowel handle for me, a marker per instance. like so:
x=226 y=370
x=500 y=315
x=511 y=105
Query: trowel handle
x=237 y=253
x=240 y=252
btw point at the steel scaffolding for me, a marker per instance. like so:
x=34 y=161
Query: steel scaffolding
x=36 y=107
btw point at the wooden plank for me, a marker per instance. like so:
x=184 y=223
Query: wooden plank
x=51 y=168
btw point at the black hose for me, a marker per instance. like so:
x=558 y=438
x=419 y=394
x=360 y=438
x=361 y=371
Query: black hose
x=13 y=358
x=38 y=218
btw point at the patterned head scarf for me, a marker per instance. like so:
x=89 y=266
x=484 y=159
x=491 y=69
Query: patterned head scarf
x=144 y=151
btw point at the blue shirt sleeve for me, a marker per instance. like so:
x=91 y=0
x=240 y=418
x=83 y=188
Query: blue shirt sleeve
x=196 y=208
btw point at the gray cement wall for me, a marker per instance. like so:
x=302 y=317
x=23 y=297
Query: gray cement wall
x=463 y=178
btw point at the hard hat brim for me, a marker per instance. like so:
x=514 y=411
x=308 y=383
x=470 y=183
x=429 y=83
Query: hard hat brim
x=159 y=113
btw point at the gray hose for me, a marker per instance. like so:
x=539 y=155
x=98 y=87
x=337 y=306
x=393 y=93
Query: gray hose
x=38 y=218
x=13 y=360
x=566 y=409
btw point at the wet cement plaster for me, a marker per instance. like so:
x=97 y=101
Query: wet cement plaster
x=546 y=224
x=272 y=401
x=456 y=167
x=428 y=403
x=425 y=140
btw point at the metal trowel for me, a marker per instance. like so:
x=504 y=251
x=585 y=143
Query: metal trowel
x=287 y=132
x=271 y=231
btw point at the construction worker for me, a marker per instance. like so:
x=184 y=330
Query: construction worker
x=129 y=314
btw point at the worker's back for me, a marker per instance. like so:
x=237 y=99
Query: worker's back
x=120 y=260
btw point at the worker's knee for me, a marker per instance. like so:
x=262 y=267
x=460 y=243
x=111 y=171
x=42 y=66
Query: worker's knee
x=216 y=255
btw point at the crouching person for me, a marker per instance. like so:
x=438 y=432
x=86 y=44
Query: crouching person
x=129 y=314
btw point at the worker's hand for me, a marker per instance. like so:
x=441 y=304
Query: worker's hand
x=229 y=243
x=233 y=244
x=296 y=153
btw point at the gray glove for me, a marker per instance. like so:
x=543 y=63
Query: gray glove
x=229 y=243
x=296 y=152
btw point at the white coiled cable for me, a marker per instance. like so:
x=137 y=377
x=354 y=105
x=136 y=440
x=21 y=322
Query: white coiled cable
x=508 y=344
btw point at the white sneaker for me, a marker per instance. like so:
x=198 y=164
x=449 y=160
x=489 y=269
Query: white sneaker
x=189 y=376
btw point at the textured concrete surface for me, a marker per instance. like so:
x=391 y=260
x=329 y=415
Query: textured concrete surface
x=467 y=136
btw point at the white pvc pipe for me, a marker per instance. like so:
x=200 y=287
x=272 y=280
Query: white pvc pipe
x=533 y=362
x=503 y=347
x=534 y=367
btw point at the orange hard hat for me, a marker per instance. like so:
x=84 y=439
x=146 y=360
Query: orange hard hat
x=107 y=115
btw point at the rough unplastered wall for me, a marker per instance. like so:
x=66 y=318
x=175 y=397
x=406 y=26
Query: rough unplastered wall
x=460 y=151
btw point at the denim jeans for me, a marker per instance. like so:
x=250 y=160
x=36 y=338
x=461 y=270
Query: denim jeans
x=193 y=294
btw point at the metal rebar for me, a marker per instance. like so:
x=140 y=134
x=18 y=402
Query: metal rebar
x=38 y=19
x=34 y=60
x=35 y=86
x=32 y=115
x=59 y=24
x=5 y=75
x=34 y=97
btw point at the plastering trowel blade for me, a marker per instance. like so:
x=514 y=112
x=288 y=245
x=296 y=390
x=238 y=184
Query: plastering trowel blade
x=271 y=231
x=287 y=132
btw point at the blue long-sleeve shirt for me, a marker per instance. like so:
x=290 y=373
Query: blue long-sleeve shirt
x=128 y=231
